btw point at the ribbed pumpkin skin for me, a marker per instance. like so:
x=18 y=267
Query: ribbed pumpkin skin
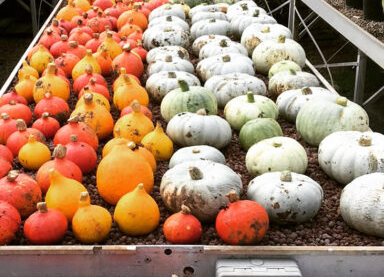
x=258 y=129
x=9 y=222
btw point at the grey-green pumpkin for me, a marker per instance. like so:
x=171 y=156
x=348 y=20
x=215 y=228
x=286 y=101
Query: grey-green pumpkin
x=285 y=65
x=187 y=99
x=257 y=130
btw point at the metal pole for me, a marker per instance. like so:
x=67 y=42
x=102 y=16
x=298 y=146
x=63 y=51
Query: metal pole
x=358 y=95
x=291 y=18
x=35 y=28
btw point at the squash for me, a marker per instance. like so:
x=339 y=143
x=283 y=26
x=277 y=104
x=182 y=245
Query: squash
x=169 y=63
x=209 y=27
x=285 y=65
x=7 y=127
x=81 y=67
x=158 y=143
x=41 y=59
x=33 y=154
x=128 y=60
x=170 y=20
x=197 y=152
x=17 y=111
x=164 y=36
x=47 y=125
x=81 y=154
x=167 y=10
x=6 y=98
x=199 y=42
x=98 y=99
x=26 y=69
x=221 y=47
x=243 y=10
x=111 y=46
x=25 y=87
x=208 y=15
x=240 y=23
x=9 y=222
x=172 y=50
x=128 y=92
x=55 y=106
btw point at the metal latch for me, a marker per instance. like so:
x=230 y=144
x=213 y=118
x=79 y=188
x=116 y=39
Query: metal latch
x=257 y=267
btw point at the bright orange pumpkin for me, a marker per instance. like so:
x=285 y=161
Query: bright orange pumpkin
x=129 y=91
x=130 y=61
x=137 y=17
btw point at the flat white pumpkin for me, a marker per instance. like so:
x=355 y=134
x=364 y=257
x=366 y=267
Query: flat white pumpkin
x=205 y=8
x=174 y=10
x=283 y=66
x=287 y=197
x=197 y=152
x=156 y=37
x=215 y=48
x=169 y=63
x=159 y=53
x=169 y=19
x=208 y=15
x=238 y=6
x=240 y=23
x=209 y=27
x=243 y=10
x=203 y=40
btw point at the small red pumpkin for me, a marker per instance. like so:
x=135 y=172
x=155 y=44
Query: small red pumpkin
x=80 y=36
x=83 y=80
x=6 y=154
x=94 y=87
x=94 y=43
x=47 y=125
x=182 y=227
x=144 y=110
x=12 y=96
x=49 y=38
x=112 y=20
x=55 y=26
x=243 y=222
x=67 y=25
x=5 y=167
x=81 y=25
x=67 y=62
x=136 y=35
x=103 y=4
x=7 y=127
x=93 y=12
x=45 y=226
x=130 y=61
x=139 y=50
x=55 y=106
x=115 y=36
x=76 y=49
x=17 y=110
x=98 y=24
x=81 y=154
x=9 y=222
x=79 y=20
x=59 y=47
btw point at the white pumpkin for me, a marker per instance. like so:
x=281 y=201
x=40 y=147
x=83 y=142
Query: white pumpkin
x=208 y=15
x=197 y=152
x=228 y=86
x=188 y=129
x=240 y=23
x=167 y=9
x=224 y=64
x=346 y=155
x=243 y=10
x=209 y=27
x=276 y=154
x=270 y=52
x=283 y=66
x=215 y=48
x=256 y=33
x=239 y=5
x=362 y=204
x=203 y=40
x=321 y=117
x=287 y=197
x=205 y=8
x=287 y=80
x=290 y=102
x=159 y=84
x=156 y=36
x=169 y=19
x=168 y=63
x=200 y=185
x=159 y=53
x=242 y=109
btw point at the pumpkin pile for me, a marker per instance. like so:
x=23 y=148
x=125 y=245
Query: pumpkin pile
x=100 y=53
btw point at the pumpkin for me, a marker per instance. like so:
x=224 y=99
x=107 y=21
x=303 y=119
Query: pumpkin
x=137 y=213
x=83 y=80
x=84 y=5
x=208 y=15
x=114 y=179
x=139 y=50
x=111 y=46
x=187 y=129
x=287 y=80
x=104 y=60
x=164 y=36
x=5 y=153
x=94 y=43
x=98 y=99
x=63 y=194
x=361 y=202
x=45 y=226
x=41 y=59
x=200 y=185
x=99 y=23
x=197 y=152
x=21 y=191
x=127 y=110
x=57 y=27
x=167 y=10
x=133 y=17
x=224 y=64
x=256 y=33
x=276 y=154
x=47 y=125
x=55 y=106
x=221 y=47
x=126 y=30
x=6 y=98
x=26 y=69
x=199 y=42
x=33 y=154
x=81 y=67
x=103 y=4
x=80 y=36
x=68 y=12
x=243 y=108
x=25 y=87
x=203 y=7
x=290 y=102
x=129 y=92
x=272 y=51
x=48 y=38
x=240 y=23
x=120 y=80
x=329 y=116
x=170 y=50
x=5 y=167
x=17 y=111
x=94 y=87
x=346 y=155
x=187 y=99
x=130 y=61
x=91 y=223
x=257 y=130
x=228 y=86
x=7 y=127
x=67 y=62
x=170 y=20
x=81 y=154
x=209 y=27
x=243 y=10
x=243 y=222
x=283 y=66
x=169 y=63
x=182 y=227
x=158 y=143
x=9 y=222
x=76 y=49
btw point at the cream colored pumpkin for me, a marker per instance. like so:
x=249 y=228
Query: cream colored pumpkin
x=221 y=47
x=170 y=50
x=208 y=15
x=197 y=152
x=209 y=27
x=156 y=36
x=169 y=20
x=240 y=23
x=204 y=8
x=203 y=40
x=167 y=9
x=243 y=10
x=169 y=63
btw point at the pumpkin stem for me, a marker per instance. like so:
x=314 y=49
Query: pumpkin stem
x=131 y=145
x=64 y=37
x=139 y=43
x=84 y=196
x=306 y=91
x=223 y=43
x=167 y=30
x=31 y=138
x=88 y=98
x=226 y=58
x=126 y=48
x=342 y=101
x=212 y=20
x=126 y=78
x=286 y=176
x=20 y=125
x=256 y=13
x=292 y=72
x=266 y=30
x=74 y=119
x=12 y=175
x=159 y=128
x=12 y=102
x=5 y=116
x=140 y=186
x=202 y=112
x=92 y=81
x=135 y=105
x=73 y=138
x=195 y=151
x=244 y=6
x=45 y=115
x=109 y=34
x=51 y=68
x=211 y=36
x=96 y=35
x=365 y=140
x=60 y=151
x=250 y=97
x=281 y=39
x=122 y=71
x=88 y=69
x=232 y=196
x=276 y=144
x=168 y=18
x=195 y=173
x=89 y=52
x=168 y=58
x=172 y=75
x=42 y=207
x=41 y=48
x=183 y=85
x=73 y=44
x=185 y=209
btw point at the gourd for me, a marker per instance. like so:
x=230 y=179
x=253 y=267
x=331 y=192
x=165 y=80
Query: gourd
x=285 y=65
x=257 y=130
x=127 y=110
x=170 y=20
x=134 y=17
x=209 y=27
x=114 y=179
x=182 y=227
x=133 y=126
x=276 y=154
x=47 y=125
x=17 y=111
x=97 y=98
x=68 y=12
x=199 y=42
x=169 y=63
x=26 y=69
x=63 y=194
x=161 y=83
x=167 y=10
x=59 y=47
x=25 y=87
x=187 y=99
x=221 y=47
x=197 y=152
x=208 y=15
x=111 y=46
x=103 y=58
x=82 y=66
x=67 y=62
x=240 y=23
x=243 y=10
x=9 y=222
x=33 y=154
x=94 y=43
x=83 y=80
x=120 y=80
x=81 y=153
x=60 y=163
x=77 y=49
x=172 y=50
x=55 y=106
x=200 y=185
x=128 y=60
x=41 y=59
x=242 y=222
x=241 y=109
x=361 y=202
x=287 y=197
x=128 y=92
x=5 y=167
x=45 y=226
x=6 y=98
x=91 y=223
x=187 y=129
x=346 y=155
x=80 y=36
x=164 y=36
x=158 y=143
x=139 y=50
x=5 y=153
x=93 y=86
x=329 y=116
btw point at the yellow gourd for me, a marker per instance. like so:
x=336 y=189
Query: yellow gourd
x=112 y=47
x=63 y=194
x=158 y=143
x=113 y=142
x=129 y=91
x=26 y=69
x=137 y=213
x=133 y=126
x=34 y=154
x=25 y=87
x=82 y=4
x=95 y=116
x=41 y=59
x=88 y=59
x=120 y=80
x=91 y=223
x=52 y=83
x=68 y=12
x=97 y=98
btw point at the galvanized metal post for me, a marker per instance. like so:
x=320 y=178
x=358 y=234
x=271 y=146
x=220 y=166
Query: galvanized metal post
x=358 y=95
x=35 y=28
x=291 y=17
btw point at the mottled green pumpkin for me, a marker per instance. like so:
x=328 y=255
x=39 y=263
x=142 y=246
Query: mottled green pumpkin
x=188 y=99
x=283 y=66
x=258 y=129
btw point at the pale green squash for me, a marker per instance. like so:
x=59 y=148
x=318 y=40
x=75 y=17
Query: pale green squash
x=286 y=65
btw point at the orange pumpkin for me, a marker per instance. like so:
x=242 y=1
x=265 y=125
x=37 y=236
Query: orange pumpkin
x=68 y=12
x=137 y=17
x=120 y=80
x=128 y=29
x=125 y=94
x=104 y=60
x=130 y=61
x=25 y=87
x=9 y=222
